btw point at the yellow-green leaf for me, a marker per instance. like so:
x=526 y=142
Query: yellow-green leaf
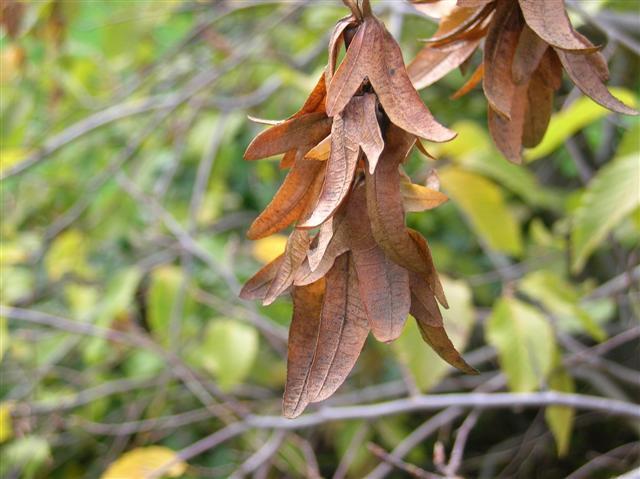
x=4 y=336
x=483 y=204
x=163 y=296
x=68 y=254
x=142 y=462
x=525 y=343
x=574 y=118
x=267 y=249
x=6 y=427
x=229 y=351
x=610 y=196
x=425 y=365
x=560 y=418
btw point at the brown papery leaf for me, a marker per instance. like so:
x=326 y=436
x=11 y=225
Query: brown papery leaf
x=356 y=128
x=431 y=64
x=289 y=159
x=499 y=49
x=474 y=3
x=315 y=102
x=342 y=332
x=538 y=110
x=323 y=238
x=507 y=133
x=290 y=201
x=303 y=335
x=458 y=21
x=423 y=300
x=294 y=254
x=436 y=336
x=549 y=19
x=587 y=77
x=336 y=40
x=257 y=286
x=383 y=284
x=431 y=277
x=530 y=50
x=300 y=133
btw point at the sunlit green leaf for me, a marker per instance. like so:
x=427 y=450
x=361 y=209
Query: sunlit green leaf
x=164 y=300
x=560 y=418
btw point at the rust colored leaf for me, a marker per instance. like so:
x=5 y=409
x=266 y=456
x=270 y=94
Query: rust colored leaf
x=550 y=69
x=294 y=254
x=507 y=133
x=300 y=133
x=499 y=49
x=365 y=120
x=431 y=64
x=473 y=81
x=423 y=300
x=257 y=286
x=529 y=52
x=336 y=40
x=338 y=244
x=323 y=238
x=587 y=76
x=431 y=276
x=474 y=3
x=550 y=21
x=315 y=102
x=288 y=159
x=303 y=335
x=383 y=284
x=342 y=332
x=290 y=201
x=459 y=21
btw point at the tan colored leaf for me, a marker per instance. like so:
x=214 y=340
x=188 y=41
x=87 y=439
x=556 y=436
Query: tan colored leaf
x=431 y=64
x=507 y=133
x=321 y=151
x=417 y=198
x=303 y=335
x=336 y=40
x=538 y=111
x=383 y=284
x=474 y=3
x=294 y=255
x=257 y=286
x=342 y=332
x=290 y=201
x=365 y=120
x=323 y=238
x=423 y=300
x=529 y=52
x=431 y=276
x=297 y=133
x=459 y=21
x=587 y=76
x=499 y=49
x=550 y=21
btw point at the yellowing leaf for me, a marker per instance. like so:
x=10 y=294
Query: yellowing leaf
x=483 y=204
x=141 y=462
x=560 y=418
x=6 y=428
x=575 y=117
x=229 y=350
x=525 y=343
x=267 y=249
x=68 y=254
x=425 y=365
x=610 y=196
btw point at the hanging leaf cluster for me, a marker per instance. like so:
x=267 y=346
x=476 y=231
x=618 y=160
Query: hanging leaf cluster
x=351 y=264
x=527 y=44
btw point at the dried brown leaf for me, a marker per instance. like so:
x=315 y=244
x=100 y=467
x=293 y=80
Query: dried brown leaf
x=529 y=52
x=258 y=285
x=474 y=80
x=294 y=254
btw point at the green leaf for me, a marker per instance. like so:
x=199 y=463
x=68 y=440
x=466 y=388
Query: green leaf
x=525 y=343
x=26 y=454
x=425 y=365
x=6 y=426
x=68 y=254
x=229 y=350
x=483 y=204
x=163 y=299
x=610 y=196
x=560 y=418
x=4 y=336
x=561 y=298
x=574 y=118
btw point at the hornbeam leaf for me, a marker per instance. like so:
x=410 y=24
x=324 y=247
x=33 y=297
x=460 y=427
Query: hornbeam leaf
x=294 y=254
x=550 y=21
x=529 y=52
x=337 y=246
x=539 y=107
x=303 y=335
x=321 y=151
x=507 y=132
x=342 y=332
x=587 y=76
x=431 y=275
x=366 y=122
x=383 y=284
x=257 y=286
x=431 y=64
x=499 y=49
x=336 y=40
x=323 y=237
x=290 y=201
x=417 y=198
x=297 y=133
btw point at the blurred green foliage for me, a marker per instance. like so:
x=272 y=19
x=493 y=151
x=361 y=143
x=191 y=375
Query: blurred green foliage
x=95 y=232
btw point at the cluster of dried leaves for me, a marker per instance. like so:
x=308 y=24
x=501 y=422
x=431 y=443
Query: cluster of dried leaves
x=351 y=264
x=527 y=44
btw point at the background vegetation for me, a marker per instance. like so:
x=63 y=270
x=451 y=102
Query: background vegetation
x=125 y=201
